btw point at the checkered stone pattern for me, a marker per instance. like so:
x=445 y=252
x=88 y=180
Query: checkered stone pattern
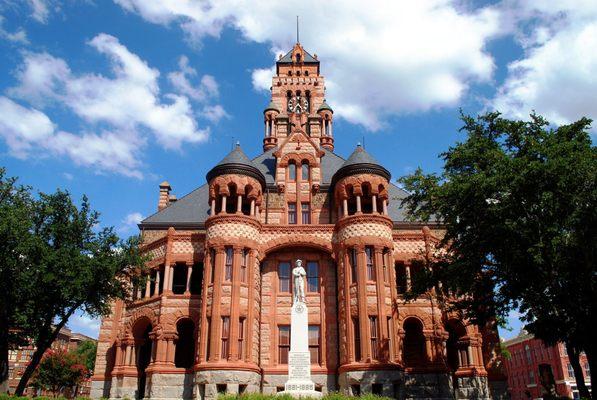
x=157 y=252
x=364 y=229
x=233 y=230
x=268 y=235
x=409 y=246
x=186 y=247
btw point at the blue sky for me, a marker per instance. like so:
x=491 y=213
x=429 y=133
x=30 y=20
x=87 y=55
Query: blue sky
x=109 y=98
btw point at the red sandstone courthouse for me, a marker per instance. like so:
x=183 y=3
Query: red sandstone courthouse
x=214 y=316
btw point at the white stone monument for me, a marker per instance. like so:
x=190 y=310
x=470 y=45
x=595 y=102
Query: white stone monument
x=299 y=382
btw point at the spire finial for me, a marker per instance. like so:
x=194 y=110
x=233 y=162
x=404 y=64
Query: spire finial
x=297 y=29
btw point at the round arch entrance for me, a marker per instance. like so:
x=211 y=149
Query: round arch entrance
x=143 y=346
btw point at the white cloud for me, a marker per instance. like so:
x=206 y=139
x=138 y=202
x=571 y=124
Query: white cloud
x=130 y=222
x=39 y=10
x=556 y=77
x=128 y=101
x=19 y=36
x=23 y=128
x=28 y=130
x=380 y=59
x=180 y=80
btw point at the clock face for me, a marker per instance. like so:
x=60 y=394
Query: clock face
x=299 y=308
x=298 y=104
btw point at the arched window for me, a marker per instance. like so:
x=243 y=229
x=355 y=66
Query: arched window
x=298 y=57
x=456 y=350
x=291 y=171
x=413 y=349
x=306 y=73
x=305 y=171
x=185 y=346
x=298 y=73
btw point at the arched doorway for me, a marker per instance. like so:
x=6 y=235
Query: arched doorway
x=456 y=347
x=143 y=345
x=413 y=347
x=184 y=355
x=321 y=296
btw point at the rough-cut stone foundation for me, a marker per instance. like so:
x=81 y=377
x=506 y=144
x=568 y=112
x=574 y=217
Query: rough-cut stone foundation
x=390 y=381
x=124 y=386
x=474 y=387
x=499 y=390
x=100 y=389
x=428 y=386
x=210 y=383
x=170 y=386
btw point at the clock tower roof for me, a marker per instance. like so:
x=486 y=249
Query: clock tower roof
x=303 y=56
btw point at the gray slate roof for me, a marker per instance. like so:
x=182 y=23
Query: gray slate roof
x=192 y=210
x=360 y=156
x=236 y=156
x=324 y=106
x=308 y=58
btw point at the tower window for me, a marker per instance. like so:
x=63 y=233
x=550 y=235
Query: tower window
x=225 y=337
x=370 y=263
x=243 y=265
x=228 y=266
x=305 y=171
x=292 y=171
x=241 y=336
x=298 y=57
x=314 y=343
x=352 y=259
x=212 y=265
x=292 y=213
x=312 y=276
x=374 y=336
x=283 y=343
x=284 y=277
x=306 y=213
x=357 y=339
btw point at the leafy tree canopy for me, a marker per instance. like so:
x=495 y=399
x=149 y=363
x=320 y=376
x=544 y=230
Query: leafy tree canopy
x=518 y=199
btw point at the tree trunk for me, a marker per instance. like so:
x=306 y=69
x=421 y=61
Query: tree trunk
x=44 y=343
x=4 y=360
x=591 y=353
x=574 y=358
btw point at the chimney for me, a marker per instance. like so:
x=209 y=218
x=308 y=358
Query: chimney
x=164 y=200
x=172 y=198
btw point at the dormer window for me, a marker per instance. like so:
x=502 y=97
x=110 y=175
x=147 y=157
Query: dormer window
x=291 y=171
x=298 y=57
x=305 y=171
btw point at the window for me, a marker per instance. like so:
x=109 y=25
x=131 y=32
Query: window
x=527 y=350
x=306 y=213
x=352 y=259
x=207 y=328
x=370 y=264
x=312 y=276
x=374 y=337
x=305 y=171
x=587 y=370
x=385 y=260
x=283 y=343
x=212 y=265
x=390 y=333
x=291 y=171
x=241 y=337
x=531 y=377
x=401 y=279
x=12 y=355
x=284 y=277
x=357 y=339
x=228 y=266
x=314 y=343
x=570 y=371
x=244 y=261
x=292 y=213
x=225 y=337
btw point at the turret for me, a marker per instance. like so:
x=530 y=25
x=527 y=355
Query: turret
x=327 y=137
x=269 y=119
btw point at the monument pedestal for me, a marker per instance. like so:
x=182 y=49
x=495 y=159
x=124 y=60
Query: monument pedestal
x=299 y=382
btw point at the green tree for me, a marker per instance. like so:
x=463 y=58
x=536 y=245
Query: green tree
x=518 y=199
x=87 y=351
x=59 y=370
x=61 y=261
x=16 y=207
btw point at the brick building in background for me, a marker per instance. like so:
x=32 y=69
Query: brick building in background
x=214 y=315
x=533 y=368
x=18 y=359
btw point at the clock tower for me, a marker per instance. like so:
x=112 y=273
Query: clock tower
x=298 y=101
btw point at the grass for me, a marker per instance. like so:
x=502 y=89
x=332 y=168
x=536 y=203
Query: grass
x=329 y=396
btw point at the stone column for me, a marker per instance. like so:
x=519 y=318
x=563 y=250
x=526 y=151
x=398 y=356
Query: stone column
x=345 y=207
x=362 y=302
x=407 y=273
x=385 y=207
x=374 y=203
x=224 y=204
x=156 y=288
x=213 y=207
x=380 y=288
x=358 y=204
x=235 y=305
x=239 y=204
x=252 y=207
x=189 y=274
x=167 y=272
x=216 y=319
x=253 y=263
x=148 y=286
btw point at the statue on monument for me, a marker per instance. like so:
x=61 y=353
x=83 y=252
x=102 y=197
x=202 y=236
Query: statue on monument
x=299 y=282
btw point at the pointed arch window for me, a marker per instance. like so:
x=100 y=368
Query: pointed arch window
x=305 y=171
x=291 y=171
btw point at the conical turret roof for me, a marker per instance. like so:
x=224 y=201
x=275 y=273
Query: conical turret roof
x=325 y=106
x=360 y=162
x=271 y=106
x=236 y=162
